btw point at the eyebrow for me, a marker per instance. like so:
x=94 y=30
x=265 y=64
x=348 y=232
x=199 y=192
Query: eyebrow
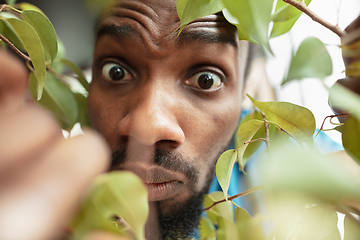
x=206 y=37
x=126 y=31
x=116 y=31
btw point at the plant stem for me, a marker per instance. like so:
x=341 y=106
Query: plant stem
x=302 y=7
x=267 y=133
x=251 y=190
x=12 y=46
x=14 y=9
x=255 y=140
x=331 y=117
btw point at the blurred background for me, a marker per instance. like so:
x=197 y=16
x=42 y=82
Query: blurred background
x=74 y=23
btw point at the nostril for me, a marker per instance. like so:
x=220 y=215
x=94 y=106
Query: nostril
x=166 y=144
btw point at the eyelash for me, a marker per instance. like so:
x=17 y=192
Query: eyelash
x=107 y=65
x=216 y=78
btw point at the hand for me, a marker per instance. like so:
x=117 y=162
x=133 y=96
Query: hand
x=42 y=175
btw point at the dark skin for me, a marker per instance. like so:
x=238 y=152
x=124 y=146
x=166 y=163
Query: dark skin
x=160 y=99
x=180 y=94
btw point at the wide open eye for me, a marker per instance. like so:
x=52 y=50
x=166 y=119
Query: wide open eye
x=115 y=72
x=205 y=80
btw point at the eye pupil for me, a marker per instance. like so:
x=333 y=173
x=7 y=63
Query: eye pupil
x=116 y=73
x=205 y=81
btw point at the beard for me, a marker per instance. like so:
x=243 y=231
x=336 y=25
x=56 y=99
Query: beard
x=183 y=222
x=183 y=218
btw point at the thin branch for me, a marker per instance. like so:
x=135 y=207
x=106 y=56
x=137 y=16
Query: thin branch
x=14 y=9
x=12 y=46
x=331 y=117
x=254 y=140
x=338 y=124
x=302 y=7
x=251 y=190
x=28 y=60
x=267 y=132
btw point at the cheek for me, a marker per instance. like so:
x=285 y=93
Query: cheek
x=211 y=135
x=211 y=128
x=101 y=114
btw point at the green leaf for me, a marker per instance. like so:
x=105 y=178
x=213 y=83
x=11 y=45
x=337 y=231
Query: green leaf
x=110 y=197
x=89 y=218
x=33 y=46
x=294 y=171
x=311 y=60
x=77 y=71
x=207 y=229
x=345 y=99
x=351 y=229
x=339 y=128
x=224 y=167
x=243 y=221
x=284 y=11
x=58 y=99
x=45 y=30
x=57 y=65
x=244 y=134
x=83 y=118
x=242 y=34
x=284 y=18
x=28 y=6
x=254 y=16
x=188 y=11
x=226 y=161
x=280 y=28
x=247 y=229
x=278 y=138
x=227 y=230
x=296 y=120
x=222 y=210
x=252 y=147
x=7 y=31
x=351 y=137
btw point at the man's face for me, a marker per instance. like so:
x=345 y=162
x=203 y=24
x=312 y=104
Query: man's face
x=168 y=105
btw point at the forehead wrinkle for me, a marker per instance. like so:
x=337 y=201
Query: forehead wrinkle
x=155 y=19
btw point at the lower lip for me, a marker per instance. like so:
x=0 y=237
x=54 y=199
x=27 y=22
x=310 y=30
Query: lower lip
x=162 y=191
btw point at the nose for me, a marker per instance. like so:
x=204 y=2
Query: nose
x=152 y=117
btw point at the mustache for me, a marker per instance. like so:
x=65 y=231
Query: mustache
x=169 y=160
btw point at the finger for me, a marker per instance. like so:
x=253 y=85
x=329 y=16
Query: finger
x=25 y=135
x=104 y=236
x=13 y=82
x=45 y=199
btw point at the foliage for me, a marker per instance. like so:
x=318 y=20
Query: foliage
x=303 y=189
x=30 y=31
x=114 y=207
